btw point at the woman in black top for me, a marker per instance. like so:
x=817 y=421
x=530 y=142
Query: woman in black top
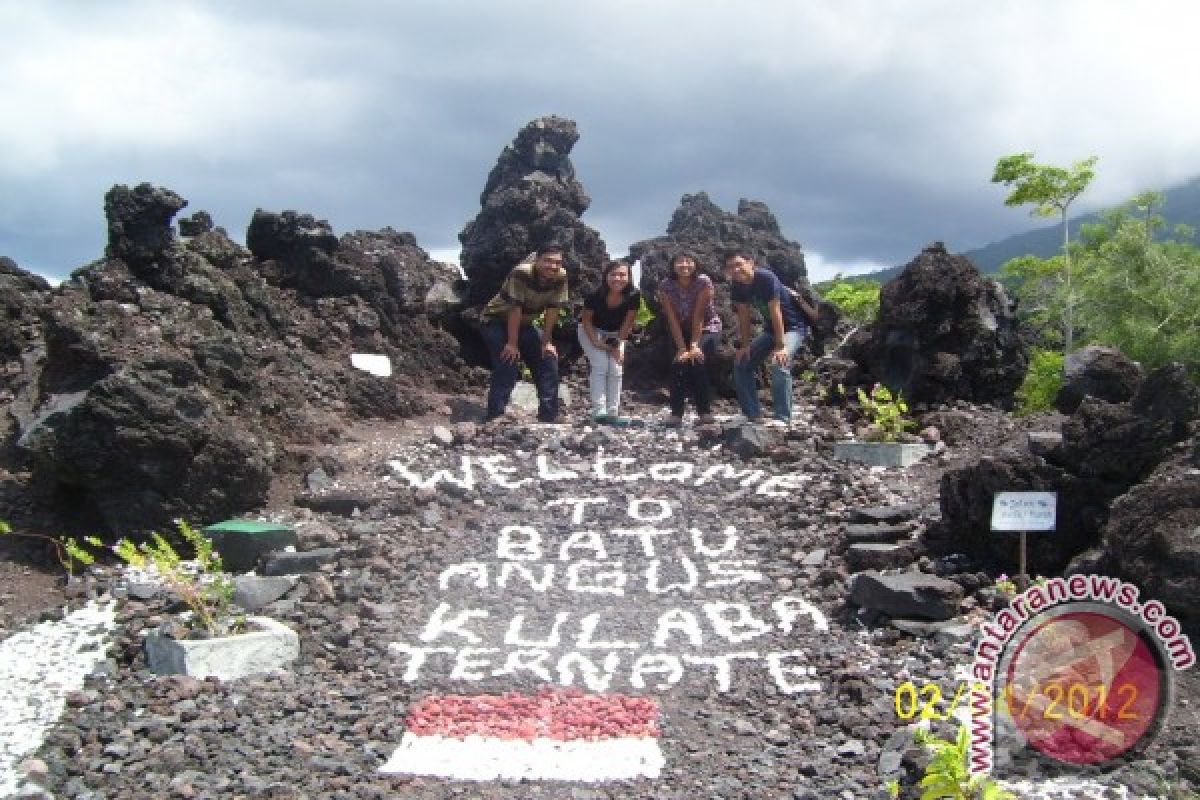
x=608 y=316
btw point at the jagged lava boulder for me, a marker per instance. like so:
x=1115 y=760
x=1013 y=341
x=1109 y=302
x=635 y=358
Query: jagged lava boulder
x=1106 y=449
x=531 y=198
x=178 y=383
x=1097 y=371
x=944 y=333
x=1153 y=536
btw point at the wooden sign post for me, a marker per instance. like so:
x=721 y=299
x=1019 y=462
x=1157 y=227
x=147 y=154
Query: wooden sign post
x=1024 y=512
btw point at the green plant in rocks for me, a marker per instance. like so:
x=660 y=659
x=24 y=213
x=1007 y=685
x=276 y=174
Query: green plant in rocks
x=201 y=584
x=947 y=777
x=888 y=412
x=67 y=549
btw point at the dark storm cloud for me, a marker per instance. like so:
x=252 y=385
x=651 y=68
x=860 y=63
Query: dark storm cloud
x=870 y=128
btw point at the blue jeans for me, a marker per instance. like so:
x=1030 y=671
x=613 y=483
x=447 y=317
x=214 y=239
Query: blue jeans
x=505 y=375
x=745 y=375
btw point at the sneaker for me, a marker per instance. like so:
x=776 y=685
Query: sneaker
x=674 y=421
x=775 y=422
x=706 y=419
x=601 y=418
x=620 y=422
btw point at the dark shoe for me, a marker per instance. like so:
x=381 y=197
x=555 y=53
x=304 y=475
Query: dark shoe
x=620 y=422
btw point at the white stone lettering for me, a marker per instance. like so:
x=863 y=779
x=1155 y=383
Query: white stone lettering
x=581 y=578
x=548 y=472
x=593 y=679
x=645 y=535
x=416 y=658
x=788 y=608
x=726 y=548
x=519 y=543
x=635 y=509
x=439 y=625
x=656 y=664
x=476 y=571
x=729 y=573
x=499 y=473
x=601 y=469
x=510 y=568
x=744 y=477
x=513 y=637
x=678 y=621
x=587 y=636
x=469 y=661
x=723 y=665
x=672 y=471
x=786 y=676
x=782 y=485
x=465 y=481
x=652 y=579
x=735 y=622
x=579 y=504
x=589 y=540
x=528 y=660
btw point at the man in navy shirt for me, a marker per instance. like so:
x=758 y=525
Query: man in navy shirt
x=784 y=329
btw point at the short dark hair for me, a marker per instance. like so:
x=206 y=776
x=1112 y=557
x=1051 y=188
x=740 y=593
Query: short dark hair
x=552 y=247
x=739 y=252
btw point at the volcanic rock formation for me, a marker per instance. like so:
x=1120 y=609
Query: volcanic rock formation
x=180 y=375
x=944 y=333
x=1103 y=451
x=531 y=198
x=1097 y=371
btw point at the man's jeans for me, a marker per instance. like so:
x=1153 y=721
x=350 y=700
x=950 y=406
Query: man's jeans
x=505 y=375
x=745 y=375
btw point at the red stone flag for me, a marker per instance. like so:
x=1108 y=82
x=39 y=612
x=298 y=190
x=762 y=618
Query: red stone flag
x=557 y=734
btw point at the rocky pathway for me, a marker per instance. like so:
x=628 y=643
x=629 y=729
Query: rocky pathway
x=552 y=611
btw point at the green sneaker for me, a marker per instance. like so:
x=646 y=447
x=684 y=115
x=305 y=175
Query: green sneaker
x=620 y=422
x=601 y=418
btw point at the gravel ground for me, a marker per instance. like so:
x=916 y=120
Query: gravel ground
x=723 y=599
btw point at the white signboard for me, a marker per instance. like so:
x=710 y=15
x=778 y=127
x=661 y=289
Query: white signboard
x=1024 y=511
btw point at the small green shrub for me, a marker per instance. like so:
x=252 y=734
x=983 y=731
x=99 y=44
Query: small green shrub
x=947 y=776
x=858 y=300
x=888 y=413
x=207 y=591
x=67 y=549
x=1042 y=382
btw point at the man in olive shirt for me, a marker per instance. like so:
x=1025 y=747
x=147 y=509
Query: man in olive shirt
x=530 y=289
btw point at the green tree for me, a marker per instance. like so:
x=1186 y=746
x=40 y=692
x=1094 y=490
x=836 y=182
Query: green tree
x=857 y=299
x=1037 y=283
x=1051 y=190
x=1142 y=289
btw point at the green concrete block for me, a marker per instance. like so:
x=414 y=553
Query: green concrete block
x=242 y=542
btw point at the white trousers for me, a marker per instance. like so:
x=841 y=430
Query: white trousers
x=605 y=384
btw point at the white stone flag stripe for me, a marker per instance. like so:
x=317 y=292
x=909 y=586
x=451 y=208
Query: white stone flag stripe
x=486 y=758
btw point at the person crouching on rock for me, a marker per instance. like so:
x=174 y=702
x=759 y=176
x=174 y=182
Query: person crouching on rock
x=784 y=328
x=608 y=316
x=686 y=298
x=508 y=331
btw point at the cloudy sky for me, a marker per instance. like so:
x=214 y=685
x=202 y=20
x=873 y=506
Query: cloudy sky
x=870 y=127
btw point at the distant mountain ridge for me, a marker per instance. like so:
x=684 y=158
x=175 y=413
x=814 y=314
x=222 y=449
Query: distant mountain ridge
x=1182 y=206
